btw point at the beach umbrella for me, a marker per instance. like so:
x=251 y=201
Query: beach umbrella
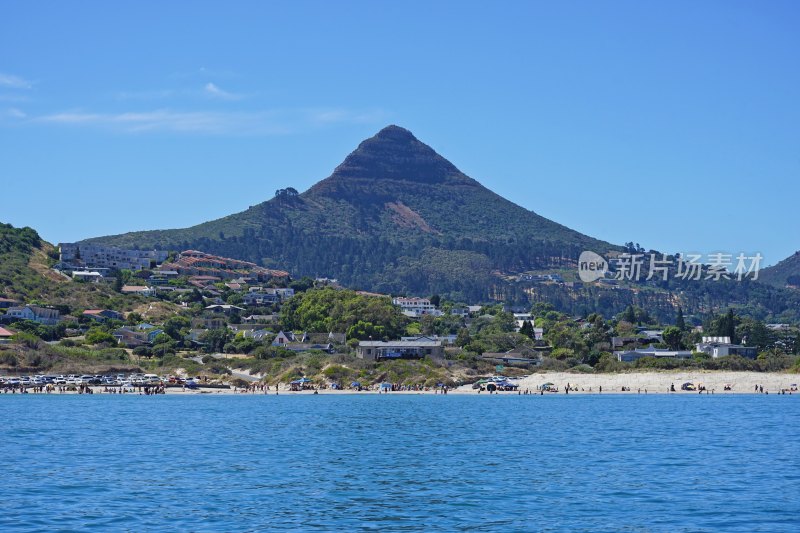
x=355 y=384
x=303 y=380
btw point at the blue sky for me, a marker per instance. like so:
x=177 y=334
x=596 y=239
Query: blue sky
x=672 y=124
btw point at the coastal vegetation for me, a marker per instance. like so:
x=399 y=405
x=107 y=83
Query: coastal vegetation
x=567 y=344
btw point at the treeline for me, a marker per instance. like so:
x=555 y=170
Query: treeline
x=21 y=240
x=459 y=269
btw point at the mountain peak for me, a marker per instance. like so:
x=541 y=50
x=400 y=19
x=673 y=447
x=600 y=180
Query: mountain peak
x=395 y=154
x=395 y=133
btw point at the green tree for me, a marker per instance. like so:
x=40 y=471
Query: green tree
x=177 y=327
x=754 y=332
x=463 y=338
x=215 y=339
x=629 y=315
x=680 y=323
x=302 y=284
x=672 y=336
x=527 y=329
x=100 y=336
x=362 y=330
x=723 y=325
x=325 y=310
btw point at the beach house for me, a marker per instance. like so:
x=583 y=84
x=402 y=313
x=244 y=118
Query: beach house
x=401 y=349
x=722 y=346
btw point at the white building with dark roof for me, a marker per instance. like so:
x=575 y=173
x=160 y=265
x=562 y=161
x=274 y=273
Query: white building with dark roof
x=402 y=349
x=42 y=315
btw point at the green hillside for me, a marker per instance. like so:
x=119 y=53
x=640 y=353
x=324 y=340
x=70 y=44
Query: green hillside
x=26 y=276
x=395 y=216
x=787 y=272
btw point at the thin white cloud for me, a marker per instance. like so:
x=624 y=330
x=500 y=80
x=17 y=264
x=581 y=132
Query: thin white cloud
x=9 y=81
x=172 y=121
x=215 y=92
x=13 y=112
x=266 y=122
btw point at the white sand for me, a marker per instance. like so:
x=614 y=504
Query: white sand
x=638 y=382
x=659 y=382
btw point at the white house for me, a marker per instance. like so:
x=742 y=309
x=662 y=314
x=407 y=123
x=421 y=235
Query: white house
x=416 y=349
x=415 y=307
x=629 y=356
x=722 y=347
x=86 y=275
x=42 y=315
x=139 y=289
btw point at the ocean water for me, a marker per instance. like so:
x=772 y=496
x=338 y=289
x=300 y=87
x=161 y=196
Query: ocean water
x=400 y=463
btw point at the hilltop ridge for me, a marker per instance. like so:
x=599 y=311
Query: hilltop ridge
x=394 y=216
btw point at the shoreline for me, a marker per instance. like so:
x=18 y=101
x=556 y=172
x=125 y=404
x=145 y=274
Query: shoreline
x=633 y=383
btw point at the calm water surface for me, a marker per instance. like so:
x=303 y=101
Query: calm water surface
x=400 y=463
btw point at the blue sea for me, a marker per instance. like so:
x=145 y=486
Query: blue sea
x=400 y=463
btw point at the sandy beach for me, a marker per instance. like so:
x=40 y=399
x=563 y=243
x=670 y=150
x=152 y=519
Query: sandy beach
x=659 y=382
x=652 y=382
x=632 y=383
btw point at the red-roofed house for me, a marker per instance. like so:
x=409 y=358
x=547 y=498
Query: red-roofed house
x=5 y=335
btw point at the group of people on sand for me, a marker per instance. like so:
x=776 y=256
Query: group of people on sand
x=252 y=388
x=45 y=389
x=147 y=390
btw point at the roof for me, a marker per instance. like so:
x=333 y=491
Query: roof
x=5 y=332
x=656 y=352
x=399 y=344
x=224 y=306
